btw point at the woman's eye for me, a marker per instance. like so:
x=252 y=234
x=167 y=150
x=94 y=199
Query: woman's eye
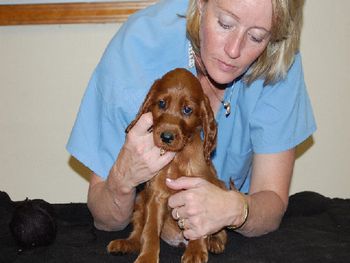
x=187 y=110
x=223 y=25
x=256 y=39
x=161 y=104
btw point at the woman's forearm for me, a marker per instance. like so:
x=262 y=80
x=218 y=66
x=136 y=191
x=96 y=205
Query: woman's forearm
x=111 y=202
x=266 y=210
x=110 y=207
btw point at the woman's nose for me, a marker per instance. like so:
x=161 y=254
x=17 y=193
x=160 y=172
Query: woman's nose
x=234 y=44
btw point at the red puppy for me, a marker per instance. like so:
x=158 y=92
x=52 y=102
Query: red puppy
x=181 y=111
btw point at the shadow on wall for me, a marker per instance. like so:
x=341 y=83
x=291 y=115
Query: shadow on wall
x=79 y=168
x=304 y=146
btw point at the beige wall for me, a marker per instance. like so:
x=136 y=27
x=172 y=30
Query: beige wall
x=44 y=71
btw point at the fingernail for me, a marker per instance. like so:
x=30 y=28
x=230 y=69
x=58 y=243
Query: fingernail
x=168 y=180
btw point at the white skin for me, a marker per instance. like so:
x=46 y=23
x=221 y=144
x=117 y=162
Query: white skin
x=233 y=34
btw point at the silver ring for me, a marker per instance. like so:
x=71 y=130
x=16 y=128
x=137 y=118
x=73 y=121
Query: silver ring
x=181 y=223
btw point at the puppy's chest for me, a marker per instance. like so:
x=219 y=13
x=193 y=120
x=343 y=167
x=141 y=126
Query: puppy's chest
x=179 y=167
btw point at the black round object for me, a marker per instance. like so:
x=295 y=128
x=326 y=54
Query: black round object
x=33 y=223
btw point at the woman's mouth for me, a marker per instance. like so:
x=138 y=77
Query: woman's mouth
x=225 y=66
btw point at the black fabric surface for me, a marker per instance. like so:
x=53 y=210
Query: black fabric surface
x=314 y=229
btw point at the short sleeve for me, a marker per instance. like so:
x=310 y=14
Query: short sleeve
x=96 y=136
x=133 y=60
x=282 y=117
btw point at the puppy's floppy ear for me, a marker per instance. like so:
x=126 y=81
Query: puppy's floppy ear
x=209 y=128
x=146 y=105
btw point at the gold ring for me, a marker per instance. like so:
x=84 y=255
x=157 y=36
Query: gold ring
x=162 y=152
x=181 y=223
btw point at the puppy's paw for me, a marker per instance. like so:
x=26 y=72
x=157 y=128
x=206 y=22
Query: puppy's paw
x=147 y=258
x=198 y=257
x=122 y=246
x=216 y=243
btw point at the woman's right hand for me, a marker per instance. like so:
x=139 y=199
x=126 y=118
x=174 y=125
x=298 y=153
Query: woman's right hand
x=139 y=159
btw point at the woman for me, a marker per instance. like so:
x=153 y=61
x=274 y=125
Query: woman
x=245 y=55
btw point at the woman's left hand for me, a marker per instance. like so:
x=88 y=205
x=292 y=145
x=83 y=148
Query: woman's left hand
x=204 y=207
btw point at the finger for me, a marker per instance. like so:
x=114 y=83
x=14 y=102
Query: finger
x=178 y=212
x=175 y=213
x=164 y=160
x=156 y=161
x=184 y=183
x=147 y=142
x=176 y=200
x=156 y=153
x=166 y=157
x=143 y=125
x=190 y=234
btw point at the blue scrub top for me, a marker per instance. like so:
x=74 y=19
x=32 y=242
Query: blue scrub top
x=153 y=41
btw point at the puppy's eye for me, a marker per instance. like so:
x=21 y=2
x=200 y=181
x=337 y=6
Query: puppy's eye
x=161 y=104
x=187 y=110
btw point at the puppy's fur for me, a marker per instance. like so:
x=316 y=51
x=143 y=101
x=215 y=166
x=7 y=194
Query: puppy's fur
x=181 y=111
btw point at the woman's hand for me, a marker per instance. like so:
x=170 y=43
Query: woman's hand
x=204 y=207
x=140 y=159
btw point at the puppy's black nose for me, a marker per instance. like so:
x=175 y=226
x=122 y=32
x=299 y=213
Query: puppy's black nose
x=167 y=137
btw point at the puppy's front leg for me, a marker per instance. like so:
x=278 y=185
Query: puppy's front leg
x=133 y=243
x=150 y=239
x=196 y=252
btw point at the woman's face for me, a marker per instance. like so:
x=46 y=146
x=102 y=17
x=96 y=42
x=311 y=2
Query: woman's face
x=233 y=33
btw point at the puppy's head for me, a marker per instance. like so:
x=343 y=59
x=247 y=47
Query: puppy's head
x=179 y=108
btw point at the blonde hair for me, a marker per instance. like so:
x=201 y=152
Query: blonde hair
x=273 y=64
